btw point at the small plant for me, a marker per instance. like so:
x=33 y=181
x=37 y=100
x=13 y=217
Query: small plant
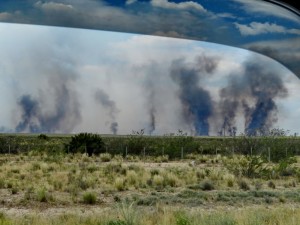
x=120 y=184
x=171 y=180
x=89 y=198
x=35 y=166
x=258 y=186
x=132 y=177
x=14 y=190
x=182 y=219
x=116 y=222
x=161 y=159
x=128 y=213
x=271 y=184
x=269 y=200
x=105 y=157
x=158 y=181
x=229 y=178
x=43 y=196
x=207 y=185
x=92 y=168
x=29 y=193
x=244 y=185
x=9 y=185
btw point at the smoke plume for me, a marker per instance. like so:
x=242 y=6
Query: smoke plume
x=264 y=86
x=254 y=92
x=30 y=110
x=196 y=101
x=151 y=104
x=64 y=114
x=109 y=105
x=152 y=119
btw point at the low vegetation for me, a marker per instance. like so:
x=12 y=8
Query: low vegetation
x=139 y=189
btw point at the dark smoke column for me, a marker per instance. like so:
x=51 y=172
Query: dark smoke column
x=110 y=105
x=196 y=101
x=64 y=114
x=252 y=91
x=30 y=109
x=264 y=86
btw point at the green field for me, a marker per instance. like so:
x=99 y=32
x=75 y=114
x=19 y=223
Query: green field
x=40 y=183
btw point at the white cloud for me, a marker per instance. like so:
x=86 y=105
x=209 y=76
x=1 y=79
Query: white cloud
x=226 y=15
x=129 y=2
x=285 y=51
x=256 y=28
x=53 y=6
x=182 y=5
x=267 y=8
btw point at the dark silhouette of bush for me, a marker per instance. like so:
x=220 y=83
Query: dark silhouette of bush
x=86 y=143
x=43 y=137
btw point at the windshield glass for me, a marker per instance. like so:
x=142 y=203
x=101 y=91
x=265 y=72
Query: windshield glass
x=261 y=26
x=64 y=80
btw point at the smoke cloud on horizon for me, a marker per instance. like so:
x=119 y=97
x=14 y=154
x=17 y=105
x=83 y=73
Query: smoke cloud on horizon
x=64 y=114
x=197 y=104
x=109 y=105
x=69 y=81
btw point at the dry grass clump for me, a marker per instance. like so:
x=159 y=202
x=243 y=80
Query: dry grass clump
x=132 y=178
x=229 y=179
x=105 y=157
x=158 y=181
x=120 y=184
x=243 y=184
x=89 y=198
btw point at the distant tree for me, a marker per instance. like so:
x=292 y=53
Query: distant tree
x=43 y=137
x=86 y=143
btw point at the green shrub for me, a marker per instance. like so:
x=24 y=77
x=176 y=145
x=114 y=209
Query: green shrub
x=105 y=157
x=35 y=166
x=161 y=159
x=182 y=219
x=43 y=137
x=207 y=185
x=116 y=222
x=244 y=185
x=158 y=181
x=14 y=190
x=120 y=184
x=86 y=143
x=229 y=178
x=271 y=184
x=128 y=213
x=89 y=198
x=132 y=177
x=249 y=166
x=43 y=196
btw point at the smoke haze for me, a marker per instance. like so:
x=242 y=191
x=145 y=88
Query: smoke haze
x=196 y=101
x=110 y=106
x=69 y=81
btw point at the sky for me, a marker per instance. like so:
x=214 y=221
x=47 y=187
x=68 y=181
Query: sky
x=251 y=24
x=67 y=80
